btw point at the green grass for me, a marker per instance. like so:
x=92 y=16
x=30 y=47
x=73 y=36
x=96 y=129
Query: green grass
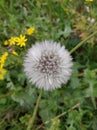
x=74 y=106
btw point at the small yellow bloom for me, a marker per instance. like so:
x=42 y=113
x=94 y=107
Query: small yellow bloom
x=89 y=0
x=2 y=62
x=5 y=54
x=2 y=73
x=2 y=59
x=21 y=41
x=30 y=30
x=15 y=53
x=6 y=42
x=13 y=40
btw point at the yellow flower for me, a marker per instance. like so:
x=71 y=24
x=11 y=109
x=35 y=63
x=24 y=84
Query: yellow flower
x=12 y=40
x=2 y=73
x=5 y=54
x=6 y=42
x=89 y=0
x=2 y=62
x=30 y=30
x=2 y=59
x=21 y=41
x=15 y=53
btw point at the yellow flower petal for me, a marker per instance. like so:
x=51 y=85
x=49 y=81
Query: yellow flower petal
x=6 y=42
x=89 y=0
x=2 y=59
x=13 y=40
x=15 y=53
x=2 y=73
x=30 y=30
x=21 y=41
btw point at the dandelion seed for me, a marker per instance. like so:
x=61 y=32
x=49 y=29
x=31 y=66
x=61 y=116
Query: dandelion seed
x=87 y=9
x=91 y=20
x=48 y=65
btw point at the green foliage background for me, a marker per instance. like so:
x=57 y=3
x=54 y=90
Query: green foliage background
x=65 y=21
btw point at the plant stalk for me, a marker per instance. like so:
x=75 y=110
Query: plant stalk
x=82 y=42
x=32 y=119
x=62 y=114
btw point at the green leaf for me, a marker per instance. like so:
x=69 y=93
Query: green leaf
x=24 y=119
x=67 y=31
x=3 y=101
x=46 y=114
x=25 y=97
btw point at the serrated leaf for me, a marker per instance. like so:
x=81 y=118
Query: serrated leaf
x=24 y=98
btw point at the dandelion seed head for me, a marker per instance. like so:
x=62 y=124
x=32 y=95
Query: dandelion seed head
x=48 y=65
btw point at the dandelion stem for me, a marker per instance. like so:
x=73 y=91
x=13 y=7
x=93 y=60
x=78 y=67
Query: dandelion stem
x=31 y=121
x=82 y=42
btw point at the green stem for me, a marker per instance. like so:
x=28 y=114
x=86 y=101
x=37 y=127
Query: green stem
x=64 y=113
x=82 y=42
x=31 y=121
